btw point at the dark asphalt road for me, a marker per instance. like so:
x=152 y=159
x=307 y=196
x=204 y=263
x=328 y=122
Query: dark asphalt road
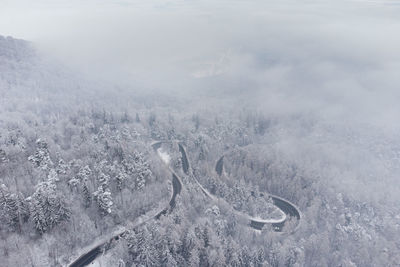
x=285 y=206
x=185 y=161
x=177 y=188
x=89 y=257
x=219 y=167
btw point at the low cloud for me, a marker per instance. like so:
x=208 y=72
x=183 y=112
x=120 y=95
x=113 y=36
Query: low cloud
x=335 y=62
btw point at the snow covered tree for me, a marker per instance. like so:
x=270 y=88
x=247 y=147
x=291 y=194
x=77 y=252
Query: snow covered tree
x=103 y=180
x=103 y=199
x=4 y=196
x=37 y=215
x=53 y=176
x=86 y=194
x=103 y=194
x=245 y=257
x=47 y=207
x=62 y=167
x=138 y=168
x=167 y=258
x=41 y=158
x=13 y=209
x=3 y=156
x=82 y=179
x=84 y=173
x=194 y=259
x=231 y=254
x=120 y=179
x=74 y=182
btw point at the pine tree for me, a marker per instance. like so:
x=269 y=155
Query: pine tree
x=103 y=194
x=205 y=236
x=148 y=257
x=18 y=211
x=103 y=199
x=53 y=176
x=194 y=259
x=138 y=168
x=86 y=194
x=62 y=167
x=73 y=183
x=4 y=195
x=47 y=207
x=82 y=179
x=38 y=216
x=120 y=178
x=13 y=208
x=84 y=173
x=260 y=257
x=232 y=257
x=167 y=259
x=103 y=180
x=41 y=158
x=3 y=156
x=245 y=257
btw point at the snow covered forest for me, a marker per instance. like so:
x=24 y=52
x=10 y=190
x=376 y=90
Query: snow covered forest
x=108 y=173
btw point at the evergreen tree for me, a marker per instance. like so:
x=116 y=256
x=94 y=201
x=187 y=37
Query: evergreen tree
x=13 y=209
x=120 y=179
x=194 y=259
x=73 y=183
x=167 y=259
x=103 y=180
x=53 y=176
x=47 y=207
x=3 y=156
x=84 y=173
x=86 y=194
x=103 y=199
x=37 y=215
x=260 y=257
x=41 y=158
x=62 y=167
x=232 y=257
x=138 y=169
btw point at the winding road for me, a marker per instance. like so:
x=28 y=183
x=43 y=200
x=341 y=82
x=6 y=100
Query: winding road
x=287 y=208
x=177 y=187
x=91 y=255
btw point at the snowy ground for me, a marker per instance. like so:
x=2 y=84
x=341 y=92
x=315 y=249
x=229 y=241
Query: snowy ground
x=164 y=156
x=97 y=262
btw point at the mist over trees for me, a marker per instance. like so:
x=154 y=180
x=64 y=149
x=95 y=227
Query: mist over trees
x=78 y=170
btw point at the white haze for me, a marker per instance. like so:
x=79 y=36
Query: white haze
x=336 y=63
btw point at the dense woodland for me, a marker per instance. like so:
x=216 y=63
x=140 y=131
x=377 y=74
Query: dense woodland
x=76 y=163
